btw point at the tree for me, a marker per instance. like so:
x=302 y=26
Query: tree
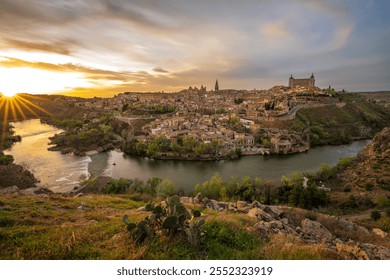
x=165 y=188
x=375 y=215
x=6 y=159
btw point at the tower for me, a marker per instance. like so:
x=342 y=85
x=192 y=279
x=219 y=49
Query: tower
x=216 y=85
x=311 y=80
x=291 y=81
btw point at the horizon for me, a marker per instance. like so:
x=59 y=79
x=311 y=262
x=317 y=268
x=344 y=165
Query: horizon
x=103 y=48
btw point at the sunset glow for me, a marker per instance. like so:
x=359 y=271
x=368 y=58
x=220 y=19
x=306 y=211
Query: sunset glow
x=76 y=48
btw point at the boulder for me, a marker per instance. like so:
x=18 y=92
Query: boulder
x=315 y=231
x=244 y=209
x=29 y=191
x=375 y=252
x=257 y=204
x=241 y=204
x=379 y=232
x=198 y=198
x=141 y=209
x=9 y=190
x=274 y=211
x=186 y=200
x=259 y=214
x=351 y=251
x=346 y=225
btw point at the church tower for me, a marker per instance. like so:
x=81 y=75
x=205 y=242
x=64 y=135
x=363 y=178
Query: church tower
x=291 y=81
x=216 y=85
x=311 y=80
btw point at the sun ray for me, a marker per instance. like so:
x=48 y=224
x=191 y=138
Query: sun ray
x=13 y=111
x=28 y=108
x=5 y=121
x=32 y=104
x=19 y=109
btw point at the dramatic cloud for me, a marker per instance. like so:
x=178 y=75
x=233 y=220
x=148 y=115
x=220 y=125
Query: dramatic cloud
x=128 y=45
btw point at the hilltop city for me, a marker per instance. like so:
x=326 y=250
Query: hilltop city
x=209 y=124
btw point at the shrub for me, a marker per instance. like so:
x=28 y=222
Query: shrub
x=368 y=186
x=375 y=215
x=172 y=219
x=383 y=202
x=6 y=159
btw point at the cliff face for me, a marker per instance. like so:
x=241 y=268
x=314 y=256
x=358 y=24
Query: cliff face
x=369 y=175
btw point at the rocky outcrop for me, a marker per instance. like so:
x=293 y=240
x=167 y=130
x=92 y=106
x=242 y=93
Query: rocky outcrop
x=270 y=220
x=16 y=175
x=368 y=176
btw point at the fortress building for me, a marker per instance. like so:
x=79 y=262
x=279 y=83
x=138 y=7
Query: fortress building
x=306 y=83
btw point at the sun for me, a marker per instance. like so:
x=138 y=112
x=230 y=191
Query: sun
x=8 y=93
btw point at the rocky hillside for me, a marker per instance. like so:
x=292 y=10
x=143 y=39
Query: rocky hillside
x=53 y=226
x=368 y=177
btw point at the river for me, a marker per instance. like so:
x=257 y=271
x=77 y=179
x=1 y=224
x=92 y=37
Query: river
x=61 y=173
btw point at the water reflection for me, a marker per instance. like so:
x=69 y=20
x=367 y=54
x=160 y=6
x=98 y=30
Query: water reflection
x=62 y=172
x=186 y=174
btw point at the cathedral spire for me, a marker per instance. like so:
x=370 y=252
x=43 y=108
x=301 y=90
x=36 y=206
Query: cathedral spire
x=216 y=85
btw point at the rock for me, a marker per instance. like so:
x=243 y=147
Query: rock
x=29 y=191
x=91 y=222
x=186 y=200
x=275 y=225
x=198 y=198
x=232 y=205
x=223 y=205
x=244 y=209
x=351 y=251
x=205 y=200
x=262 y=229
x=379 y=232
x=361 y=230
x=284 y=221
x=141 y=209
x=241 y=204
x=83 y=203
x=213 y=204
x=9 y=190
x=80 y=208
x=376 y=252
x=273 y=211
x=315 y=231
x=259 y=214
x=346 y=225
x=257 y=204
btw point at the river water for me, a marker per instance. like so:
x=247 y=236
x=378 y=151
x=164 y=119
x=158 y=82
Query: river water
x=61 y=173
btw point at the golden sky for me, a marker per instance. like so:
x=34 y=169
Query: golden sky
x=103 y=47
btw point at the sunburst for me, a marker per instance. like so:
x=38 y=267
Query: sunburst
x=14 y=108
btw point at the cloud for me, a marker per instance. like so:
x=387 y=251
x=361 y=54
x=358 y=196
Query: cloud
x=276 y=30
x=58 y=47
x=246 y=42
x=160 y=70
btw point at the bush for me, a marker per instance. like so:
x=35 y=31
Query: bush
x=6 y=159
x=383 y=202
x=375 y=215
x=368 y=186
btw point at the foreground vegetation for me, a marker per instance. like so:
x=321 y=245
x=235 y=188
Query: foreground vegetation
x=91 y=227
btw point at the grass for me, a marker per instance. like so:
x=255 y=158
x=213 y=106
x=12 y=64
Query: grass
x=91 y=227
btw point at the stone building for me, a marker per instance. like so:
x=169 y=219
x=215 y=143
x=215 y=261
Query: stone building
x=306 y=83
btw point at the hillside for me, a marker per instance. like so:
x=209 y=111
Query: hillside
x=90 y=227
x=335 y=125
x=367 y=178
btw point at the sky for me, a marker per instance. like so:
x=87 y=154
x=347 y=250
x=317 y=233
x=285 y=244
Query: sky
x=103 y=47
